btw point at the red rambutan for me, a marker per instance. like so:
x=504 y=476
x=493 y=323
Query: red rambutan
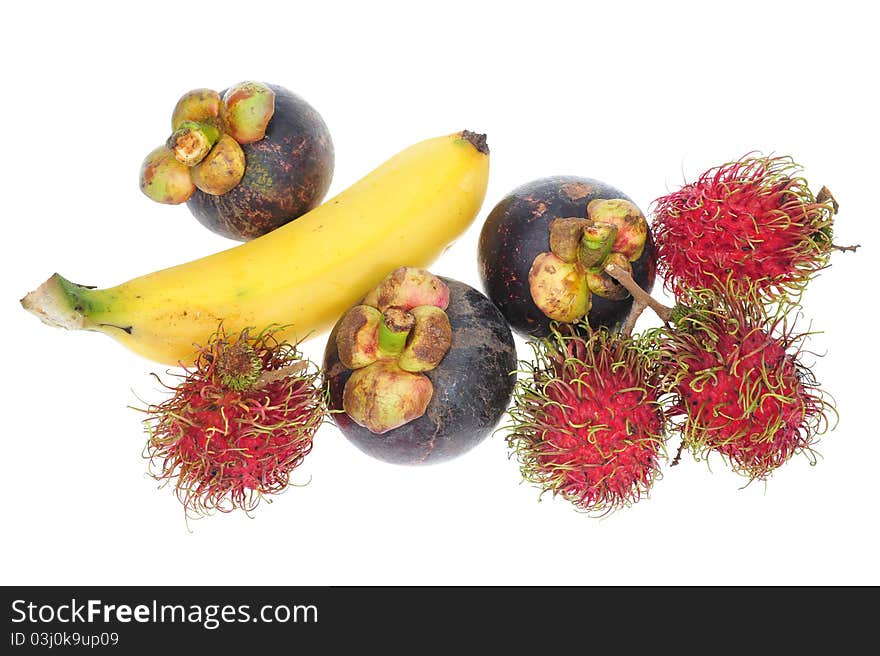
x=238 y=423
x=587 y=423
x=754 y=221
x=739 y=384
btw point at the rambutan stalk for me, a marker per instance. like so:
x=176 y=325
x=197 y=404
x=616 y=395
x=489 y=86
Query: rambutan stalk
x=641 y=299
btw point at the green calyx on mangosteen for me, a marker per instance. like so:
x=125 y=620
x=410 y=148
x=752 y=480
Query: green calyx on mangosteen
x=256 y=156
x=222 y=169
x=408 y=287
x=614 y=232
x=197 y=106
x=164 y=179
x=421 y=370
x=544 y=250
x=203 y=121
x=632 y=228
x=559 y=288
x=246 y=110
x=382 y=396
x=389 y=344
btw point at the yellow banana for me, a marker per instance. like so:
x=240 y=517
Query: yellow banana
x=303 y=275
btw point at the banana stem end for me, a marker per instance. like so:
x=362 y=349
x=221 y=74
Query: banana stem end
x=53 y=304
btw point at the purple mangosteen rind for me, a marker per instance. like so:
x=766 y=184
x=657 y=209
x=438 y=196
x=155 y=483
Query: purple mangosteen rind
x=287 y=173
x=472 y=385
x=517 y=230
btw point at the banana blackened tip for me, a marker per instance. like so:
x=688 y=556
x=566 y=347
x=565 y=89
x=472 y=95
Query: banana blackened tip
x=477 y=140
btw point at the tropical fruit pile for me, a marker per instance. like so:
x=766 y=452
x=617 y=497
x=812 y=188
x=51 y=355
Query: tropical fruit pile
x=420 y=368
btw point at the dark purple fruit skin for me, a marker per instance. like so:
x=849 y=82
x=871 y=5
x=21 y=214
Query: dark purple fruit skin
x=472 y=388
x=287 y=173
x=518 y=229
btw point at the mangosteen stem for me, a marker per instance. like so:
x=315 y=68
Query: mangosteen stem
x=639 y=295
x=394 y=328
x=272 y=375
x=595 y=244
x=192 y=141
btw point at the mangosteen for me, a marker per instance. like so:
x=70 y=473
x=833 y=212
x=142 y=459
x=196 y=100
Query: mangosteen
x=420 y=371
x=544 y=249
x=246 y=160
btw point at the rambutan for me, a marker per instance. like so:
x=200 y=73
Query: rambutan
x=740 y=386
x=241 y=419
x=587 y=423
x=754 y=221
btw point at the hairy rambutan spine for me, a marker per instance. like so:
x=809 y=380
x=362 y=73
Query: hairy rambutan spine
x=240 y=420
x=753 y=223
x=586 y=423
x=739 y=384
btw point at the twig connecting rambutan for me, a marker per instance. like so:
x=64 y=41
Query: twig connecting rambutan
x=739 y=384
x=587 y=423
x=753 y=222
x=238 y=423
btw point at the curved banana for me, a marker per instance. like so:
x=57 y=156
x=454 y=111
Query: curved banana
x=303 y=275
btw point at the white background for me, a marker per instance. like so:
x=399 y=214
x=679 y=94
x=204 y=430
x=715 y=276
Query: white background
x=640 y=95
